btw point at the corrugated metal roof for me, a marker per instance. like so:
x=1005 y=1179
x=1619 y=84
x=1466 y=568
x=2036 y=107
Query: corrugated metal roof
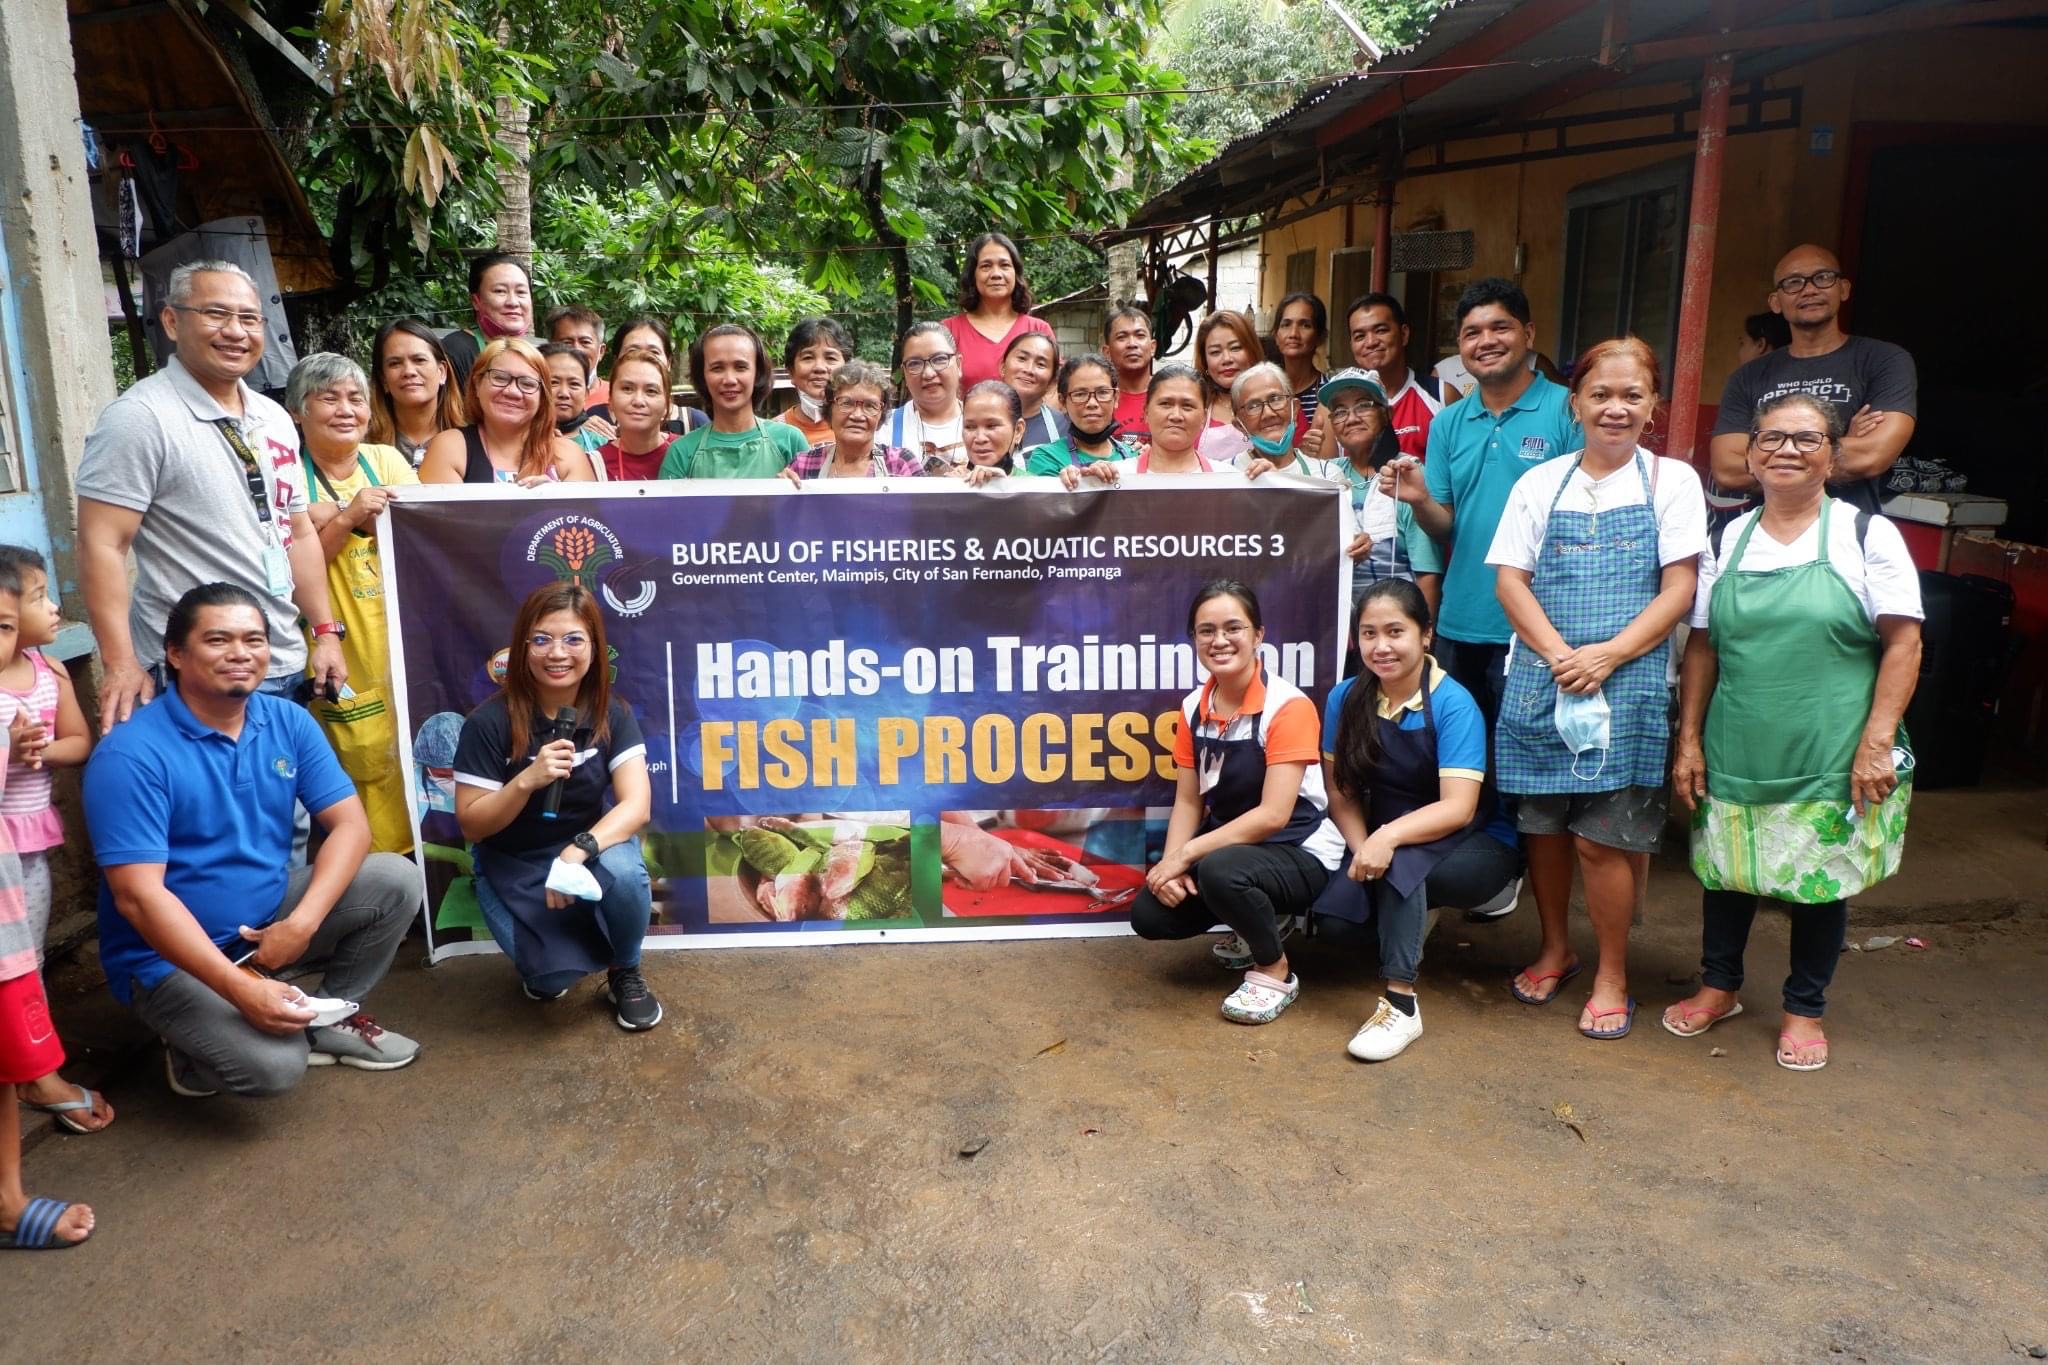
x=1245 y=178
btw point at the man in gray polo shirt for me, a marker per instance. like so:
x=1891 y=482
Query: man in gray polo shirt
x=200 y=474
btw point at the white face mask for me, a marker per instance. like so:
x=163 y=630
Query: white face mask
x=813 y=409
x=1584 y=723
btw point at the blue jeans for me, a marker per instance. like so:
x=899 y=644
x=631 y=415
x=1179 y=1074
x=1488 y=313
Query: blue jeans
x=624 y=912
x=1471 y=874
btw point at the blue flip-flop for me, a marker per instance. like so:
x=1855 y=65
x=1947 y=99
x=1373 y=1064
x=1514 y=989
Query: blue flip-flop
x=1561 y=978
x=37 y=1230
x=1608 y=1035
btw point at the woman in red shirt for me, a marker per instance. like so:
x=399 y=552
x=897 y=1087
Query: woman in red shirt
x=639 y=403
x=995 y=305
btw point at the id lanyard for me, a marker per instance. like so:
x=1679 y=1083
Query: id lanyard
x=259 y=495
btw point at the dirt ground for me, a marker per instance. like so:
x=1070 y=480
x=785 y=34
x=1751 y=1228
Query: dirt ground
x=776 y=1174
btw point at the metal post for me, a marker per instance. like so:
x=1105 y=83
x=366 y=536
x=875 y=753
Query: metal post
x=1382 y=236
x=1699 y=258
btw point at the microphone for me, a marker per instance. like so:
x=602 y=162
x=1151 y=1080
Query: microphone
x=565 y=728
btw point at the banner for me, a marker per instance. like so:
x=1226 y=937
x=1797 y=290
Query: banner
x=873 y=710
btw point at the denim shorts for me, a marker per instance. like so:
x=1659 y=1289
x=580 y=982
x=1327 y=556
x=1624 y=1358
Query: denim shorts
x=1628 y=818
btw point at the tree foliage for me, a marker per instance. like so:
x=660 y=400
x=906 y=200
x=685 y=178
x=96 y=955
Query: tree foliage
x=825 y=136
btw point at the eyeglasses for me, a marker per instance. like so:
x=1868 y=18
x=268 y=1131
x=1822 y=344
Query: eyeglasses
x=1353 y=412
x=216 y=317
x=505 y=379
x=575 y=641
x=858 y=406
x=919 y=364
x=1255 y=407
x=1233 y=630
x=1092 y=396
x=1819 y=279
x=1805 y=442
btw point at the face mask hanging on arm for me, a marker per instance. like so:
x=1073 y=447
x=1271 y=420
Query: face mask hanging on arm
x=1584 y=723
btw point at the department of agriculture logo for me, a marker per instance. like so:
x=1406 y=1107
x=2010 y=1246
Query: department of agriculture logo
x=575 y=549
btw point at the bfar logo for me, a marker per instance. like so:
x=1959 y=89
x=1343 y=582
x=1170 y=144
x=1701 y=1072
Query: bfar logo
x=575 y=549
x=629 y=607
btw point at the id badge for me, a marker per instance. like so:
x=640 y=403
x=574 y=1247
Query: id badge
x=277 y=569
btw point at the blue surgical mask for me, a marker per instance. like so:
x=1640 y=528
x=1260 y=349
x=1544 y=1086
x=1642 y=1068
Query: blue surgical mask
x=1584 y=723
x=1274 y=450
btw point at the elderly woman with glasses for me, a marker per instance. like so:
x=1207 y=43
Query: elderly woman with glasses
x=856 y=396
x=348 y=482
x=513 y=438
x=1804 y=650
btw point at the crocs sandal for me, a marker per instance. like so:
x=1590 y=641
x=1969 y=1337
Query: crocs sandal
x=1628 y=1021
x=1788 y=1044
x=1713 y=1017
x=1538 y=978
x=1260 y=999
x=63 y=1110
x=37 y=1230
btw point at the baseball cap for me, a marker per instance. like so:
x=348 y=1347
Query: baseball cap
x=1368 y=380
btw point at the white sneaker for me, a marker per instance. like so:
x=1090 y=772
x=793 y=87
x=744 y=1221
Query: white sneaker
x=1385 y=1034
x=1233 y=954
x=1503 y=904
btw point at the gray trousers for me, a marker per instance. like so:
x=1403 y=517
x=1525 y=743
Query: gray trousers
x=356 y=942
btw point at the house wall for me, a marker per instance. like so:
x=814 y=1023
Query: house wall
x=1777 y=190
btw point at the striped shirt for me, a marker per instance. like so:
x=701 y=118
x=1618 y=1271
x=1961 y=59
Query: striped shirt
x=25 y=805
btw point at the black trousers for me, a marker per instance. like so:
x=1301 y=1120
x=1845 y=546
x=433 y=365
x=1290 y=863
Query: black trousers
x=1246 y=886
x=1817 y=933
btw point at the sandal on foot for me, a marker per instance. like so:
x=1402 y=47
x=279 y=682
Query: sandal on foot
x=1261 y=999
x=1537 y=979
x=1713 y=1017
x=62 y=1111
x=1628 y=1021
x=37 y=1230
x=1790 y=1046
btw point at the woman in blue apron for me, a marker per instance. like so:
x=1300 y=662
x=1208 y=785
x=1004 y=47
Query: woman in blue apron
x=551 y=787
x=1405 y=749
x=1249 y=844
x=1597 y=556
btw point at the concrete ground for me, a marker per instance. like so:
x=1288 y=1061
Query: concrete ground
x=777 y=1174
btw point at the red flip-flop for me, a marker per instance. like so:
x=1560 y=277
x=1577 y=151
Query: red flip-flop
x=1713 y=1017
x=1537 y=979
x=1787 y=1043
x=1601 y=1035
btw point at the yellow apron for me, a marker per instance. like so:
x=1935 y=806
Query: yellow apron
x=363 y=728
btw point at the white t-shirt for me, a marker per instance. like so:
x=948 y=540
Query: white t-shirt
x=1880 y=571
x=1681 y=507
x=922 y=437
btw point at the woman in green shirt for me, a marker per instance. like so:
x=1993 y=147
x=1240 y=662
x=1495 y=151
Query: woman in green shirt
x=1088 y=392
x=729 y=366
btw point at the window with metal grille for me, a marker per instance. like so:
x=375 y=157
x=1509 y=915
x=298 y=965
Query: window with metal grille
x=1424 y=252
x=1624 y=260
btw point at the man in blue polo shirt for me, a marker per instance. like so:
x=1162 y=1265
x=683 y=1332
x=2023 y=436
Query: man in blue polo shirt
x=190 y=805
x=1478 y=448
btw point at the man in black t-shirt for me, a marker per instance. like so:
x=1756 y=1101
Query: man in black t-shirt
x=1870 y=383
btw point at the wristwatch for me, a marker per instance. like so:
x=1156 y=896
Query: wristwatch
x=334 y=628
x=588 y=843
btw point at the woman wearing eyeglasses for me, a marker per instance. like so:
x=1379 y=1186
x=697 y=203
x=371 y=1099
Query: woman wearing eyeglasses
x=928 y=426
x=513 y=438
x=855 y=399
x=1250 y=843
x=1087 y=387
x=1804 y=650
x=554 y=810
x=995 y=308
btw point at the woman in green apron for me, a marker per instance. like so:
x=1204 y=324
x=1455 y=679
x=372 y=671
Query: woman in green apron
x=347 y=484
x=729 y=365
x=1597 y=557
x=1804 y=652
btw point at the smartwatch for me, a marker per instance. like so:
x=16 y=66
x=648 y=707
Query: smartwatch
x=588 y=843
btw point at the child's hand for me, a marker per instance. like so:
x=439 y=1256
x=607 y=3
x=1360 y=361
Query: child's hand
x=27 y=737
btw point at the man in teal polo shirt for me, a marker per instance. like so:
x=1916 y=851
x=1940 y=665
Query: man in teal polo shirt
x=190 y=804
x=1478 y=448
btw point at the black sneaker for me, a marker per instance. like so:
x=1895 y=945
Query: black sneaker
x=633 y=1004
